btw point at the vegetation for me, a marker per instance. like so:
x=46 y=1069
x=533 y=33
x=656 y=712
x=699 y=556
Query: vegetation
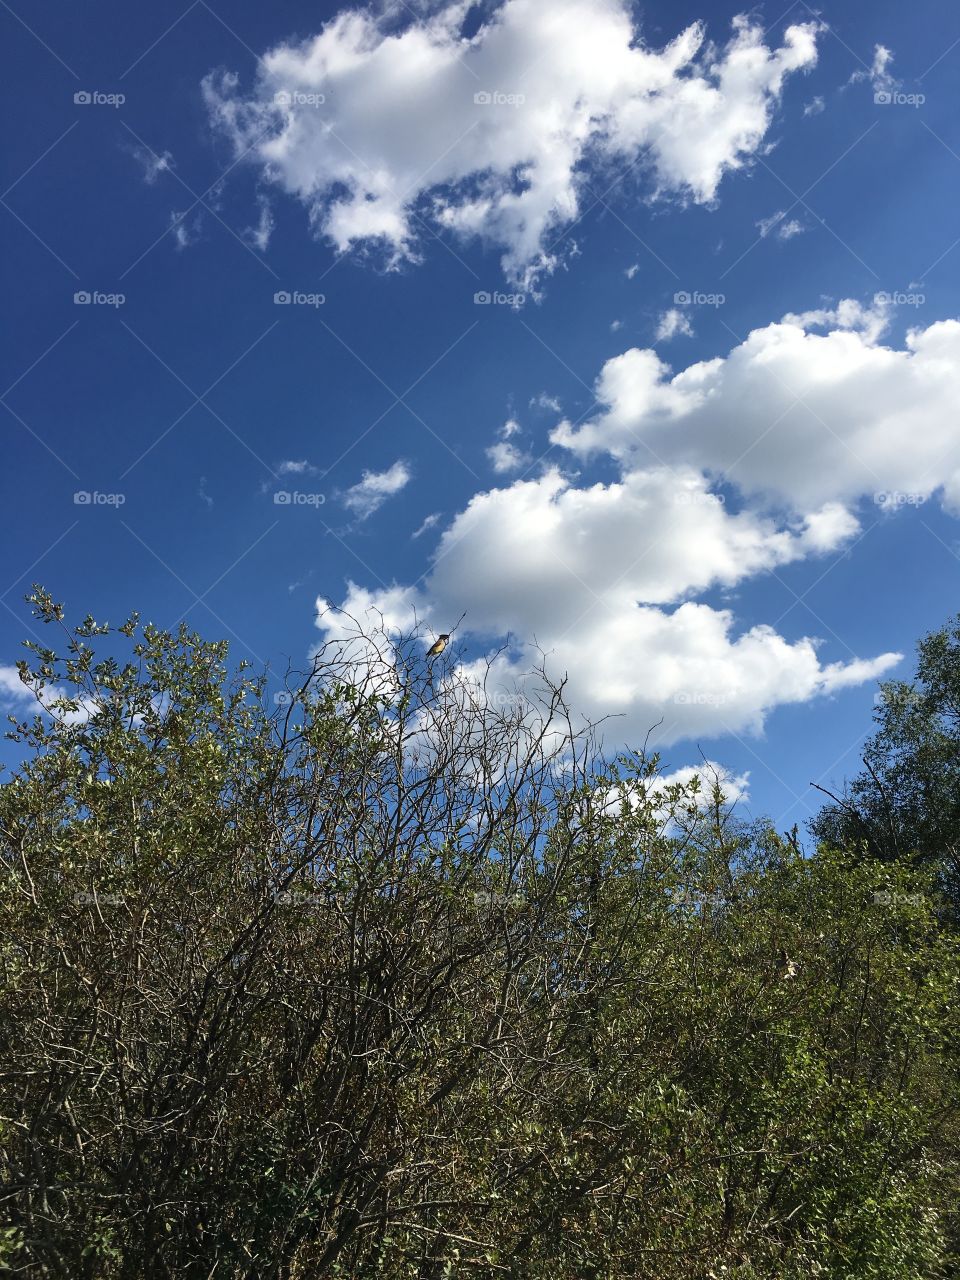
x=396 y=979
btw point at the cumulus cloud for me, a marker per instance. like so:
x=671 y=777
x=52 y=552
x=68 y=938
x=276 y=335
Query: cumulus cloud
x=600 y=577
x=801 y=416
x=728 y=469
x=734 y=787
x=373 y=489
x=671 y=323
x=377 y=130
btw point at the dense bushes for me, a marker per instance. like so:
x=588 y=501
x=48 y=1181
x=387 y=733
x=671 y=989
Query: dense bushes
x=390 y=981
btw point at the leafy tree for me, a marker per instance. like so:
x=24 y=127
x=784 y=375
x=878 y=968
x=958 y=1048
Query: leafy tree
x=401 y=979
x=906 y=802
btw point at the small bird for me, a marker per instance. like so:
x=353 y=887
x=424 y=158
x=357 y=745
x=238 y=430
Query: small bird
x=438 y=645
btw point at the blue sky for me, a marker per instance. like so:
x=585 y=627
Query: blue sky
x=673 y=528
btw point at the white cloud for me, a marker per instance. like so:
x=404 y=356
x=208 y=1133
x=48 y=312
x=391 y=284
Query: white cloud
x=543 y=401
x=814 y=106
x=21 y=698
x=151 y=163
x=878 y=73
x=671 y=323
x=373 y=489
x=785 y=230
x=184 y=231
x=734 y=787
x=12 y=688
x=505 y=457
x=632 y=270
x=601 y=578
x=259 y=236
x=375 y=128
x=296 y=467
x=790 y=229
x=428 y=523
x=803 y=417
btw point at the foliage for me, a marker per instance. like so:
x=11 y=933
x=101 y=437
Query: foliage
x=906 y=802
x=400 y=980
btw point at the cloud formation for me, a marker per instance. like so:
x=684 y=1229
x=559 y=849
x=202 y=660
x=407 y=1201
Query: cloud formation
x=383 y=132
x=803 y=421
x=792 y=413
x=671 y=323
x=373 y=489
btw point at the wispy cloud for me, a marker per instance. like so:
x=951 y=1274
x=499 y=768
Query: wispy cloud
x=373 y=489
x=785 y=230
x=671 y=323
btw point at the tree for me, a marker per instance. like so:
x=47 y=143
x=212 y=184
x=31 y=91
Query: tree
x=404 y=978
x=906 y=802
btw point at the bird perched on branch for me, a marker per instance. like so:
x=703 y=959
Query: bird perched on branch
x=438 y=645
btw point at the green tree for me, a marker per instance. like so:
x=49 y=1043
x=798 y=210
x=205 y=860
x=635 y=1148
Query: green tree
x=906 y=802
